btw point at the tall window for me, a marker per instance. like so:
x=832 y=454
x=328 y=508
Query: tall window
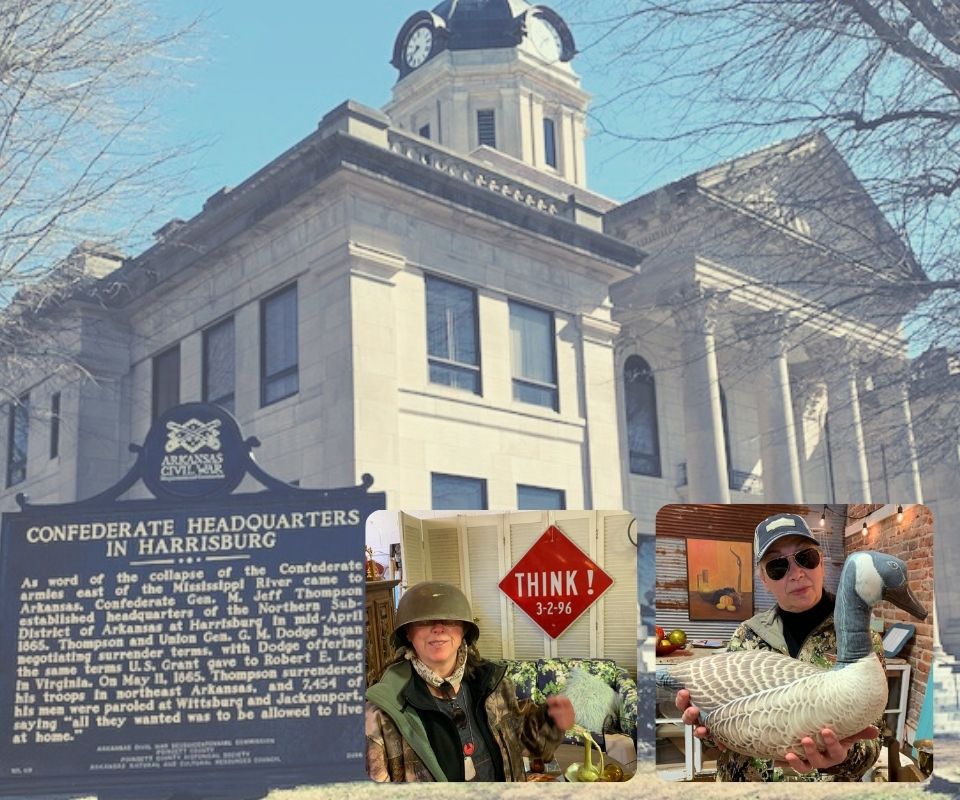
x=166 y=380
x=539 y=498
x=54 y=424
x=643 y=435
x=550 y=142
x=279 y=377
x=486 y=127
x=533 y=355
x=453 y=346
x=219 y=365
x=452 y=492
x=17 y=430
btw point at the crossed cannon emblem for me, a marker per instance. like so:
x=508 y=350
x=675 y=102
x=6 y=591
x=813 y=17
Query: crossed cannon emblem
x=192 y=435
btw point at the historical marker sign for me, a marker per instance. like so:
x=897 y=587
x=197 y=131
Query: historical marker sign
x=202 y=642
x=555 y=582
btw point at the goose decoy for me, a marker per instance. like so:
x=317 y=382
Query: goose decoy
x=762 y=703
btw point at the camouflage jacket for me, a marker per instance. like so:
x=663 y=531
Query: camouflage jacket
x=405 y=744
x=765 y=632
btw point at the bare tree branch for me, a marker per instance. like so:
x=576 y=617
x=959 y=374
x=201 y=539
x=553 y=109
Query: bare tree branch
x=79 y=80
x=82 y=171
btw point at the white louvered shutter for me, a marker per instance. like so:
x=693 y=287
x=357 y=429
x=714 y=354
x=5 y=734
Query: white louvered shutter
x=442 y=550
x=619 y=602
x=411 y=551
x=483 y=570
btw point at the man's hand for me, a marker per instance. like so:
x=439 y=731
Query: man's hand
x=836 y=752
x=691 y=716
x=560 y=710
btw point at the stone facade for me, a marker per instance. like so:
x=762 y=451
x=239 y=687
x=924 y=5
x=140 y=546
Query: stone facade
x=767 y=387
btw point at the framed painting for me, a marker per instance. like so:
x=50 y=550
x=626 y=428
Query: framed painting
x=720 y=579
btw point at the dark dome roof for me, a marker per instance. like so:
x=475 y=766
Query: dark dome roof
x=480 y=24
x=475 y=25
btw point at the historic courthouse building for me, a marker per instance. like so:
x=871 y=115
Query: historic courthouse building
x=432 y=294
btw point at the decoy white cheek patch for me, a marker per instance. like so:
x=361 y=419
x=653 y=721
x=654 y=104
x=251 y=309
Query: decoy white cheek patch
x=869 y=581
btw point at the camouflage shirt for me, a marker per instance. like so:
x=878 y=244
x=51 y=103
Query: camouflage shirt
x=765 y=632
x=399 y=745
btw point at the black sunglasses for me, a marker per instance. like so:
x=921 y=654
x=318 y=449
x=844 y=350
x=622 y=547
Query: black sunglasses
x=776 y=568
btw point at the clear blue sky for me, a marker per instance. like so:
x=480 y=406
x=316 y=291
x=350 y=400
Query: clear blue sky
x=270 y=71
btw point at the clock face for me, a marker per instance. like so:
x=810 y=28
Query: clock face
x=419 y=44
x=545 y=38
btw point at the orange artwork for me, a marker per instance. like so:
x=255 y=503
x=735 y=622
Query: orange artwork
x=720 y=579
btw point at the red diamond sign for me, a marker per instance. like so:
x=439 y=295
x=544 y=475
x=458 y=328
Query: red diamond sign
x=555 y=582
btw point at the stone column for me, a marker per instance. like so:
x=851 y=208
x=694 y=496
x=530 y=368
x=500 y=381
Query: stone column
x=707 y=472
x=809 y=413
x=533 y=127
x=460 y=124
x=902 y=462
x=507 y=113
x=847 y=442
x=348 y=417
x=778 y=433
x=96 y=412
x=578 y=145
x=566 y=150
x=603 y=464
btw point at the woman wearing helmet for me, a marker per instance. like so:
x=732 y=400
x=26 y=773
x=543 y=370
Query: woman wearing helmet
x=440 y=712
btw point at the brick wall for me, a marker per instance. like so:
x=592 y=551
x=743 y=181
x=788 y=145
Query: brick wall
x=912 y=541
x=860 y=510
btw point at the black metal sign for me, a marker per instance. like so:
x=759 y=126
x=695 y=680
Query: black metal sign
x=201 y=642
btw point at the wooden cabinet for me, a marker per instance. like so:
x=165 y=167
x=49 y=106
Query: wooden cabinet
x=380 y=615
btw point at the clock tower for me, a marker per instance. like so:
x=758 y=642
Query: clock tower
x=496 y=74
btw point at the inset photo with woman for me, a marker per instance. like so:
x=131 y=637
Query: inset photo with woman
x=501 y=646
x=795 y=643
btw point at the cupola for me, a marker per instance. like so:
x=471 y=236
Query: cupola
x=492 y=73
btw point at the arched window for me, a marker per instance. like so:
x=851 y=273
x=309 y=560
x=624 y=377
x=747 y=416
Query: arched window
x=643 y=437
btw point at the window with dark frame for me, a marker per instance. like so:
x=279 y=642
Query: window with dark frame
x=453 y=336
x=18 y=429
x=279 y=368
x=425 y=131
x=540 y=498
x=54 y=424
x=640 y=401
x=166 y=380
x=455 y=492
x=550 y=142
x=533 y=355
x=219 y=364
x=486 y=127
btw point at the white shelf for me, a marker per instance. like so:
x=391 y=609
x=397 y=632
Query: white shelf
x=901 y=698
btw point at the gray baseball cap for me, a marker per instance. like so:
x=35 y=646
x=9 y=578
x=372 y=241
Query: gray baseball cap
x=776 y=527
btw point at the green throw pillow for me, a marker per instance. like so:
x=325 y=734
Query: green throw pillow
x=593 y=700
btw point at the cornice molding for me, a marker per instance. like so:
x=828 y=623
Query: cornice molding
x=373 y=263
x=598 y=330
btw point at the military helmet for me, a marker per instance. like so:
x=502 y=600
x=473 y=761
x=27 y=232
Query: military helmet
x=433 y=600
